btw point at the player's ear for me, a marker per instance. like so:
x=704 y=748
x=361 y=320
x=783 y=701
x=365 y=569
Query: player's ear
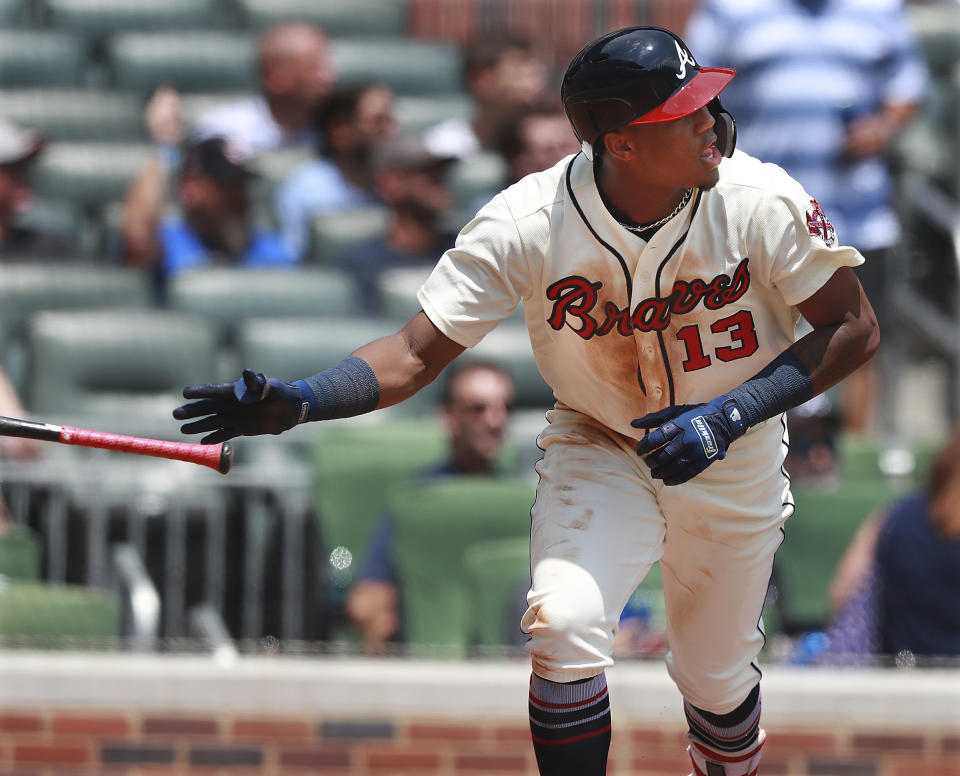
x=618 y=144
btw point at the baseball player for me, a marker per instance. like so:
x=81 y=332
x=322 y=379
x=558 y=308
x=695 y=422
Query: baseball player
x=663 y=276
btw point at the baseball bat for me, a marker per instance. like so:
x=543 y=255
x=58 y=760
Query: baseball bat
x=219 y=456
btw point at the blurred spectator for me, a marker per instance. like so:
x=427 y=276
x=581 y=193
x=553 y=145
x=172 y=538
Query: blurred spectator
x=296 y=76
x=19 y=150
x=475 y=411
x=412 y=182
x=896 y=588
x=535 y=139
x=352 y=122
x=214 y=223
x=814 y=429
x=501 y=75
x=642 y=630
x=823 y=88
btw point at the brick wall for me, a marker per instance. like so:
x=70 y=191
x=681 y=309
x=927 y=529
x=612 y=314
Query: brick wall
x=75 y=742
x=560 y=28
x=142 y=716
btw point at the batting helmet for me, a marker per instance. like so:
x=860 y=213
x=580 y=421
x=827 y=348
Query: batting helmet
x=641 y=75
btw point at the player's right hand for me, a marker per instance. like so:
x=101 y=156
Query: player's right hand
x=686 y=439
x=250 y=406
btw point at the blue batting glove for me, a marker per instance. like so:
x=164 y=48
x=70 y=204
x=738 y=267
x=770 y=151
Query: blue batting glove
x=687 y=438
x=250 y=406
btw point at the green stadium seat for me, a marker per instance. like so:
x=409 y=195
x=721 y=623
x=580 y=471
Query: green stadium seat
x=398 y=292
x=100 y=17
x=231 y=295
x=339 y=18
x=76 y=114
x=435 y=526
x=476 y=177
x=355 y=468
x=419 y=113
x=35 y=58
x=19 y=554
x=333 y=234
x=116 y=363
x=407 y=66
x=63 y=219
x=190 y=61
x=936 y=28
x=868 y=458
x=291 y=348
x=52 y=616
x=89 y=174
x=497 y=575
x=16 y=13
x=27 y=288
x=816 y=537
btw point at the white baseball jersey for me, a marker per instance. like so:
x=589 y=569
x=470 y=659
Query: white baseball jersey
x=621 y=327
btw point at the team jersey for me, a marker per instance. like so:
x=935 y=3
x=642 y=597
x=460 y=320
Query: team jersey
x=621 y=327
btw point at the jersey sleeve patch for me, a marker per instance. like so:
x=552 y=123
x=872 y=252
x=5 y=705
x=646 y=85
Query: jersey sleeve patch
x=818 y=225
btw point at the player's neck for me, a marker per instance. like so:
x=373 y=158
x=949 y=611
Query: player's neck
x=640 y=201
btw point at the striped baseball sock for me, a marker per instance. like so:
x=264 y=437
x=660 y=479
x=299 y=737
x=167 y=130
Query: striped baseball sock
x=726 y=744
x=570 y=723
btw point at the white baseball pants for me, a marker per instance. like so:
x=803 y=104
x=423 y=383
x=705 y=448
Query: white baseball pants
x=600 y=522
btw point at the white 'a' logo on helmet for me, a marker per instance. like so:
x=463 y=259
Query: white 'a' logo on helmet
x=685 y=57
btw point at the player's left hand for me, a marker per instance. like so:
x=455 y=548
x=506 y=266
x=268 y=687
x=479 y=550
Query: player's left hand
x=687 y=438
x=252 y=405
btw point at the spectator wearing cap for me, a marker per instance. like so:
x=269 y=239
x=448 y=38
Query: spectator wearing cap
x=412 y=182
x=214 y=224
x=352 y=123
x=19 y=150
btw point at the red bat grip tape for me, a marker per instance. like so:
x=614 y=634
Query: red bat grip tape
x=207 y=455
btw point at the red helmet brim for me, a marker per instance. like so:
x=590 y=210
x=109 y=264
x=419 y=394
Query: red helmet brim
x=701 y=89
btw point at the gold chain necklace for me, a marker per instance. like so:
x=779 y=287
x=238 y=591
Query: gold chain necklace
x=646 y=227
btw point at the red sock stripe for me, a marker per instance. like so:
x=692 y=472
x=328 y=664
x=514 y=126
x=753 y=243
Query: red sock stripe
x=576 y=704
x=572 y=739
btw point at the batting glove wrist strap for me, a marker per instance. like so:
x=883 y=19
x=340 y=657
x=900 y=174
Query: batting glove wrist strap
x=784 y=383
x=342 y=391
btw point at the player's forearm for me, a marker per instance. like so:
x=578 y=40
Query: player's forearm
x=810 y=366
x=409 y=360
x=831 y=353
